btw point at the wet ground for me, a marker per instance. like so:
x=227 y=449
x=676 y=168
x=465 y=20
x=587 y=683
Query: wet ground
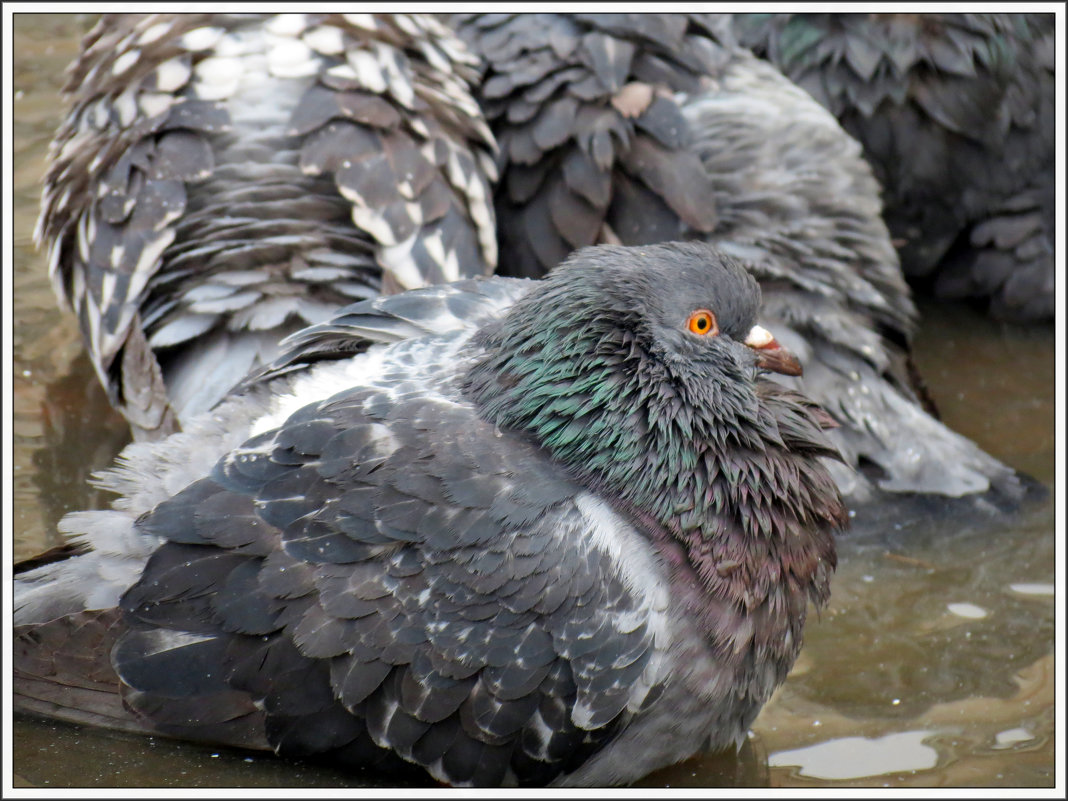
x=933 y=665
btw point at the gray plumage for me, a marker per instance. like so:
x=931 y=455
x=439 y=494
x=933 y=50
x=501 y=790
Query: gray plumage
x=956 y=116
x=677 y=132
x=224 y=180
x=406 y=538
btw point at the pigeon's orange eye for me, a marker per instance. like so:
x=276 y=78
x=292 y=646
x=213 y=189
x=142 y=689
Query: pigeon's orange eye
x=703 y=322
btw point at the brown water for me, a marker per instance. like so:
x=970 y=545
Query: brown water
x=933 y=665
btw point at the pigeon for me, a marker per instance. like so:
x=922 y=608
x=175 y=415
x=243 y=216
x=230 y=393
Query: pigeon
x=642 y=128
x=499 y=531
x=224 y=180
x=956 y=115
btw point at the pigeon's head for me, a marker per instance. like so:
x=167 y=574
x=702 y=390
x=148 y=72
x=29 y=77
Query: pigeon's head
x=618 y=336
x=689 y=308
x=692 y=307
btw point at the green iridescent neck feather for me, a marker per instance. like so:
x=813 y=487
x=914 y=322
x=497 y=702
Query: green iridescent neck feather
x=695 y=440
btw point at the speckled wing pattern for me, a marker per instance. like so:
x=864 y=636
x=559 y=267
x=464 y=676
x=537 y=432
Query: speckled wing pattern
x=222 y=175
x=585 y=111
x=955 y=113
x=384 y=570
x=459 y=306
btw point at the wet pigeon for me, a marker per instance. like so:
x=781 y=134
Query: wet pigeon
x=956 y=115
x=512 y=532
x=639 y=128
x=224 y=180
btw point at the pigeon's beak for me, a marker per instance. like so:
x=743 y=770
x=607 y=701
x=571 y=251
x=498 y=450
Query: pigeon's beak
x=770 y=354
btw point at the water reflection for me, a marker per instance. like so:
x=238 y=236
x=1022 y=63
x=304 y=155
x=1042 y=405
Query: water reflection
x=901 y=662
x=857 y=757
x=81 y=434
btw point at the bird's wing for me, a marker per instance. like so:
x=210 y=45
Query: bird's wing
x=223 y=176
x=386 y=570
x=955 y=115
x=147 y=473
x=580 y=104
x=460 y=306
x=1011 y=259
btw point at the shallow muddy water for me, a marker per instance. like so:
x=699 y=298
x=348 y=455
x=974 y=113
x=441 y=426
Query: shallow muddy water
x=932 y=666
